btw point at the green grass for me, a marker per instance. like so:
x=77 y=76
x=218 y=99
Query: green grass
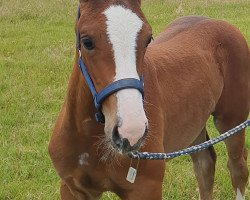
x=37 y=45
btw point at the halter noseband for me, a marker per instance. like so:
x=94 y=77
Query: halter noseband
x=110 y=89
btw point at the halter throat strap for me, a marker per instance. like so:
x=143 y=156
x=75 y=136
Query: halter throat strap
x=98 y=98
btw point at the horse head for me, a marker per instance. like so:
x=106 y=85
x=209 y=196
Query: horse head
x=114 y=36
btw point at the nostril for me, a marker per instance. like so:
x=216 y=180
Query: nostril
x=117 y=138
x=124 y=144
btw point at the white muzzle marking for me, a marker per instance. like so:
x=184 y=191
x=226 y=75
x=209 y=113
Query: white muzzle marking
x=123 y=27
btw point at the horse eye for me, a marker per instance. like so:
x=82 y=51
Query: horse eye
x=149 y=40
x=88 y=43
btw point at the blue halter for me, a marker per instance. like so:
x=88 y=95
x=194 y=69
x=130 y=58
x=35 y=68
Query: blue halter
x=110 y=89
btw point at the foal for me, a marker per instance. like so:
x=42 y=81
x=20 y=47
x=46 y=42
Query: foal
x=196 y=68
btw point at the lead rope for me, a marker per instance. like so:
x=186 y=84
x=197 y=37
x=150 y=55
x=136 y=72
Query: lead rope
x=189 y=150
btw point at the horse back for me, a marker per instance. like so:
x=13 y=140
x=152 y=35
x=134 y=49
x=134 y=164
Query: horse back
x=216 y=44
x=178 y=26
x=203 y=67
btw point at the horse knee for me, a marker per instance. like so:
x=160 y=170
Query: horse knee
x=206 y=159
x=205 y=163
x=238 y=167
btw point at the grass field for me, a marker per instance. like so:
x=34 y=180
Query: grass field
x=37 y=44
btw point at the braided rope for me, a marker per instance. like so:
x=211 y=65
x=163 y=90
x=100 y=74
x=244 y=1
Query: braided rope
x=189 y=150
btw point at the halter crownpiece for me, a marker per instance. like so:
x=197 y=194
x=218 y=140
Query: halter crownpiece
x=116 y=86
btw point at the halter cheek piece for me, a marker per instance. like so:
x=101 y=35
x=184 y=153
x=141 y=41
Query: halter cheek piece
x=110 y=89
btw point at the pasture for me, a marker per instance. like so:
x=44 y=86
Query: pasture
x=37 y=44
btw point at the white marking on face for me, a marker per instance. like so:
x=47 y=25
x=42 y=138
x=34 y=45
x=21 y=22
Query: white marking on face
x=123 y=27
x=83 y=159
x=239 y=196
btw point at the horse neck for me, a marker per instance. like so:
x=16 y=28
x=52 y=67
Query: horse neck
x=149 y=66
x=78 y=105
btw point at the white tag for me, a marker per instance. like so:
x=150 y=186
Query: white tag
x=131 y=175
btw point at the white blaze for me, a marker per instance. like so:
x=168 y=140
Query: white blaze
x=123 y=27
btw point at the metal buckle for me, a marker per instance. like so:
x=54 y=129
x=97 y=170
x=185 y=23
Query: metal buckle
x=80 y=53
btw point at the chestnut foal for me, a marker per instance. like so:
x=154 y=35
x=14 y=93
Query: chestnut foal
x=196 y=68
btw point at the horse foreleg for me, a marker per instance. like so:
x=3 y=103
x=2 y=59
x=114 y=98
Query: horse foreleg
x=69 y=191
x=148 y=185
x=204 y=168
x=65 y=192
x=145 y=192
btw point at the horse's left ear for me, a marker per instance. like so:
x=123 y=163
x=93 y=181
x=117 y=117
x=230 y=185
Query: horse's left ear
x=139 y=1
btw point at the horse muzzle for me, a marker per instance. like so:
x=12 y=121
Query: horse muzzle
x=123 y=144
